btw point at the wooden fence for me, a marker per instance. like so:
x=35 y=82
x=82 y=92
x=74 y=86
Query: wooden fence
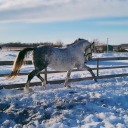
x=46 y=72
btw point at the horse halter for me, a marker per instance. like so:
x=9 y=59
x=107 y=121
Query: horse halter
x=90 y=53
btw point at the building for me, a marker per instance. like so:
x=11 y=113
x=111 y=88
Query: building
x=103 y=48
x=124 y=46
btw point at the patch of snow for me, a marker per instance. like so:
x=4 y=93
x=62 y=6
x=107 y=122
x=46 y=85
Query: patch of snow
x=87 y=104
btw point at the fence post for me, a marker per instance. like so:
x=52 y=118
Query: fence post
x=97 y=67
x=45 y=74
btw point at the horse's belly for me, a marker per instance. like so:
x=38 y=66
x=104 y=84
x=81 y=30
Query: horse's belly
x=61 y=67
x=61 y=62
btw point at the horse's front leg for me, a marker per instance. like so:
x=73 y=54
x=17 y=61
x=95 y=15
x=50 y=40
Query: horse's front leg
x=67 y=78
x=90 y=70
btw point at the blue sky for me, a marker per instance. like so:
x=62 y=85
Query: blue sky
x=63 y=20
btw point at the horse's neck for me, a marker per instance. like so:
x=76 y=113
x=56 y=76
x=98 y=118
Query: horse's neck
x=78 y=47
x=73 y=46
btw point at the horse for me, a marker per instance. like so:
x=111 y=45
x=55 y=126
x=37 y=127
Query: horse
x=62 y=59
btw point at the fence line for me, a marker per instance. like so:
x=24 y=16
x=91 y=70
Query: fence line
x=50 y=72
x=93 y=59
x=46 y=72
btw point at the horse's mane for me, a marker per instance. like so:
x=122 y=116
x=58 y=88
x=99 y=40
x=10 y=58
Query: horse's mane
x=74 y=42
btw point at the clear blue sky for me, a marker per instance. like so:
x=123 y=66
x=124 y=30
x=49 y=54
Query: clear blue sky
x=63 y=20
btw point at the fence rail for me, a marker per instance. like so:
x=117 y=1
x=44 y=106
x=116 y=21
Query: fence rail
x=46 y=72
x=94 y=59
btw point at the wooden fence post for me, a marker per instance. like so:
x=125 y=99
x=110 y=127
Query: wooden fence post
x=97 y=67
x=45 y=75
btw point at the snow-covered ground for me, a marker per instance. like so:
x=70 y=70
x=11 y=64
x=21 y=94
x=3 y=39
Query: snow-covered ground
x=87 y=104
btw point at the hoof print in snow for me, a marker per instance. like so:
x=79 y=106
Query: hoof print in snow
x=47 y=116
x=104 y=105
x=4 y=106
x=72 y=92
x=22 y=117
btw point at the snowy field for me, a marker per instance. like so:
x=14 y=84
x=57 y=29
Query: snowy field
x=87 y=104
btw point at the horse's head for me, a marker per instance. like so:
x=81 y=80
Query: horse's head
x=88 y=51
x=85 y=46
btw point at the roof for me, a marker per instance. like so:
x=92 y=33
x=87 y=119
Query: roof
x=124 y=45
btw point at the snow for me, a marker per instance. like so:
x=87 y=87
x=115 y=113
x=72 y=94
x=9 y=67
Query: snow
x=87 y=104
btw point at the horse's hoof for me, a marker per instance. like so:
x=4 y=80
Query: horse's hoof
x=44 y=87
x=27 y=90
x=44 y=84
x=95 y=80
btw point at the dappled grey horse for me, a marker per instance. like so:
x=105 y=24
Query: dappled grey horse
x=62 y=59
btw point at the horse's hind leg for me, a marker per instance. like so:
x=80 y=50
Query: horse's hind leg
x=42 y=80
x=66 y=80
x=30 y=77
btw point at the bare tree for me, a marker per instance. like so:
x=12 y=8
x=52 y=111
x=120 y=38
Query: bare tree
x=97 y=42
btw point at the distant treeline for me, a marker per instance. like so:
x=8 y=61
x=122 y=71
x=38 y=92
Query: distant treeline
x=19 y=44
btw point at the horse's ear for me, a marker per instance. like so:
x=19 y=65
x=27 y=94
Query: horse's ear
x=93 y=43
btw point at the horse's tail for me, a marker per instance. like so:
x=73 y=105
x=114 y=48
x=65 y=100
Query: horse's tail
x=19 y=62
